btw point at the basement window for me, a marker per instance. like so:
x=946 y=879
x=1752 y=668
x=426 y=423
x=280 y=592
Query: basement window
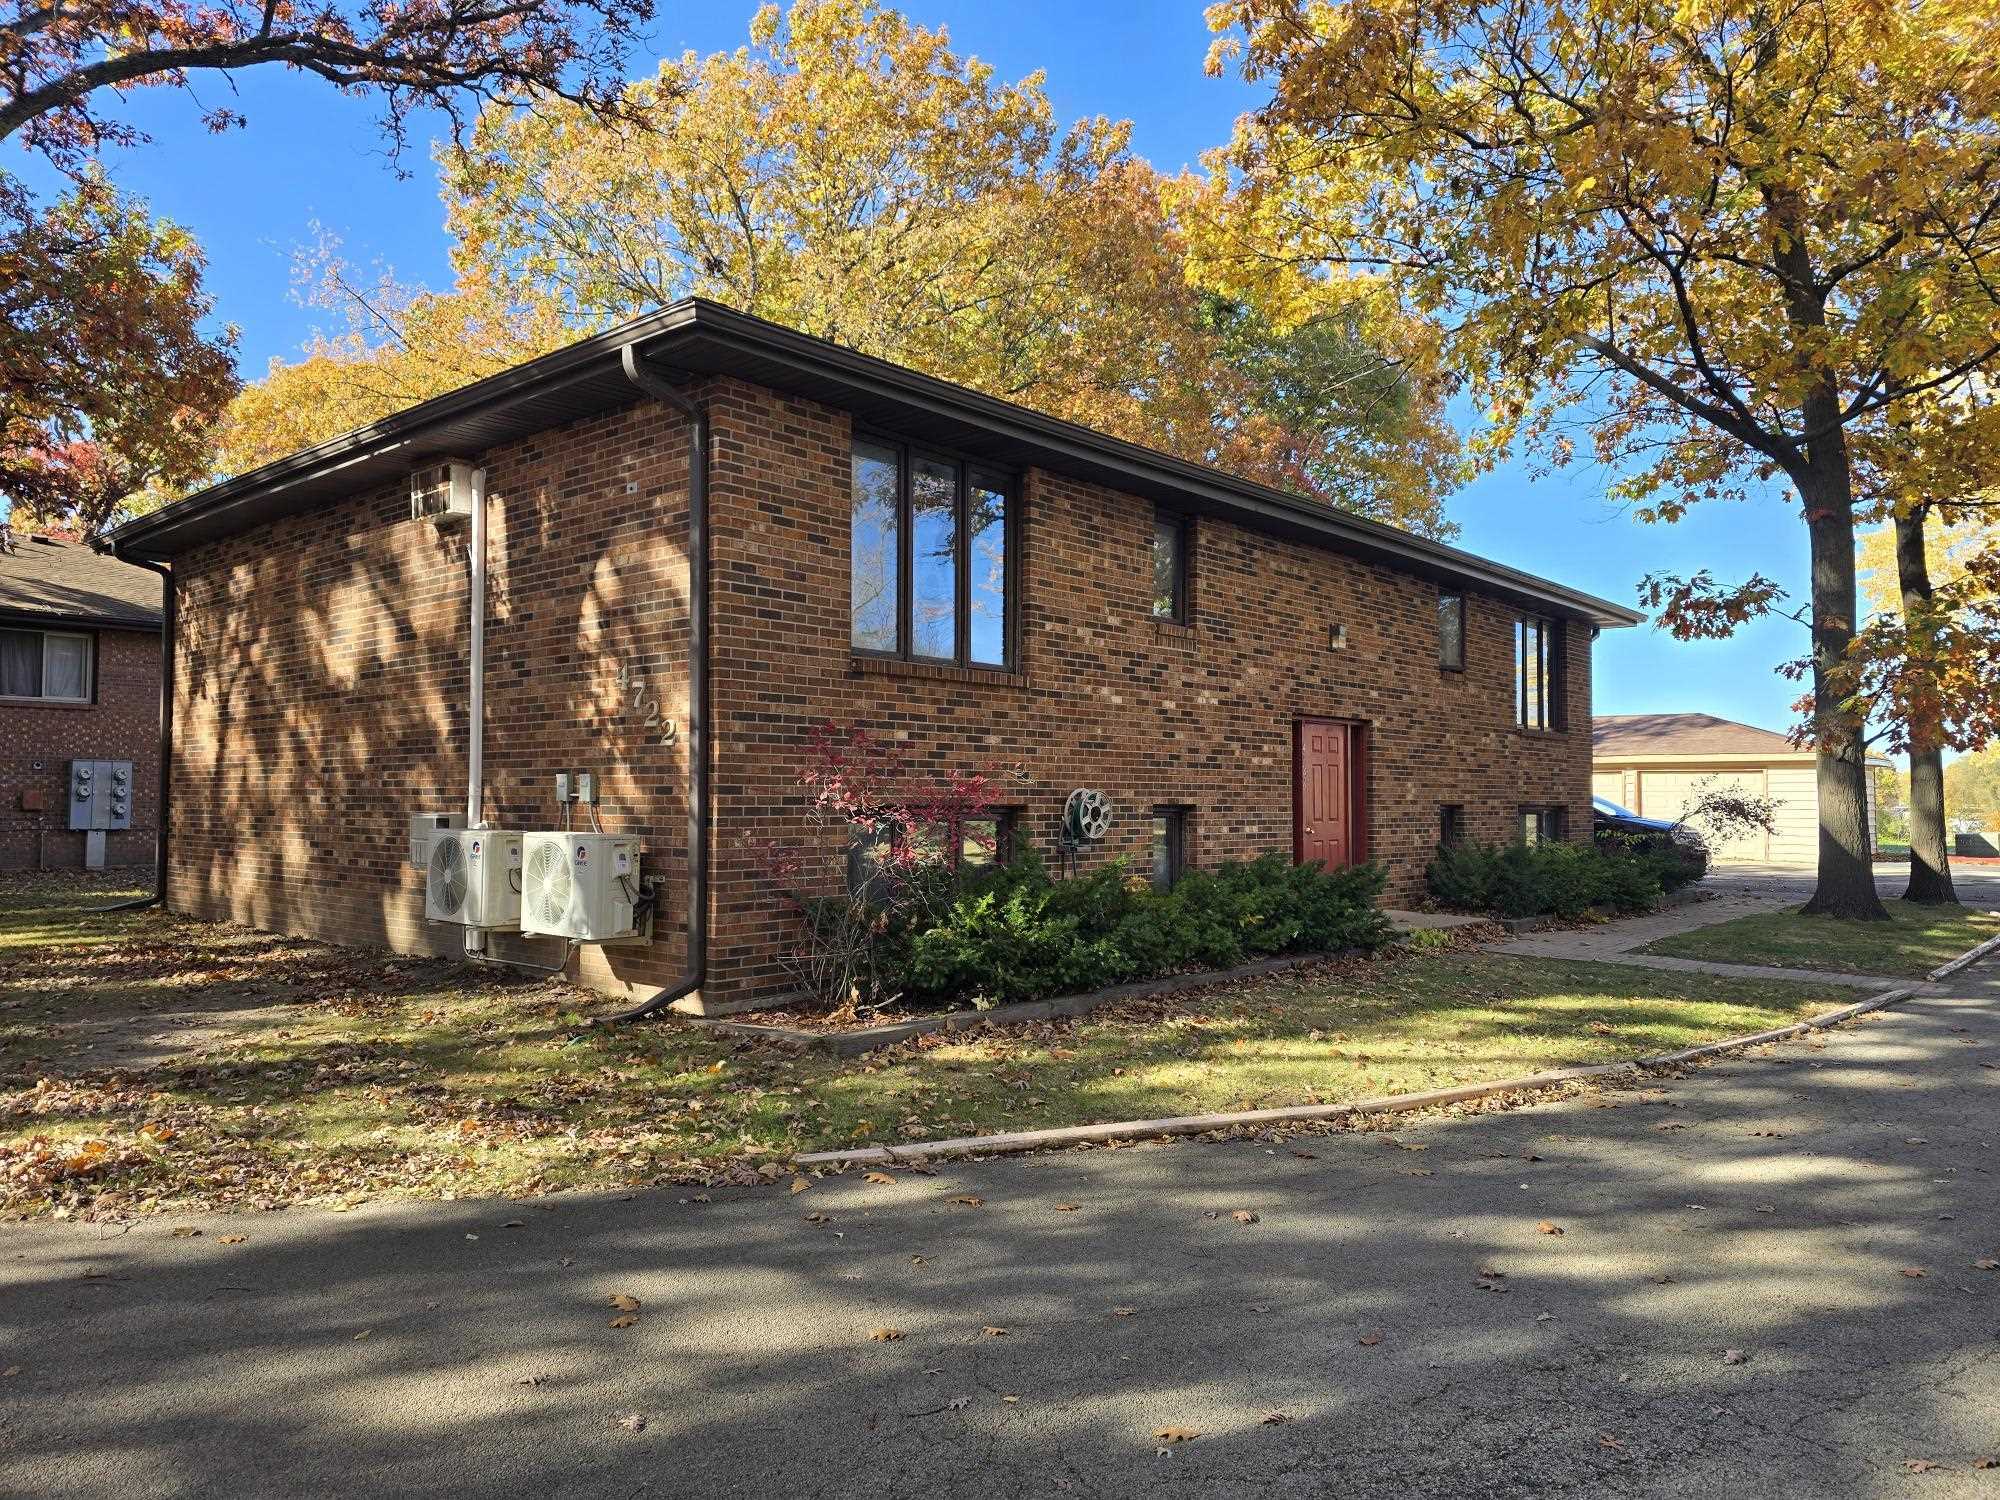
x=1544 y=825
x=1170 y=840
x=931 y=561
x=47 y=664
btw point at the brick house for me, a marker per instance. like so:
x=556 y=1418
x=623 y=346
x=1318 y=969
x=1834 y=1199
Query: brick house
x=79 y=680
x=1238 y=669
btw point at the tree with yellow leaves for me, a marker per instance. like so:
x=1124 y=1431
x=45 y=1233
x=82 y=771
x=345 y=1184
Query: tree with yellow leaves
x=1717 y=236
x=847 y=174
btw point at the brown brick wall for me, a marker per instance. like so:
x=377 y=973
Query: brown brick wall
x=39 y=740
x=1103 y=695
x=324 y=685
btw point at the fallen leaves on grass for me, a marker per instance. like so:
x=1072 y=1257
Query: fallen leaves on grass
x=1734 y=1357
x=232 y=1239
x=631 y=1421
x=993 y=1331
x=886 y=1335
x=1545 y=1227
x=1123 y=1311
x=970 y=1200
x=1273 y=1419
x=880 y=1179
x=1915 y=1273
x=1176 y=1434
x=1244 y=1216
x=1986 y=1263
x=1369 y=1340
x=800 y=1184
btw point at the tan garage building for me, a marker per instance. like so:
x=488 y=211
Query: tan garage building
x=1652 y=764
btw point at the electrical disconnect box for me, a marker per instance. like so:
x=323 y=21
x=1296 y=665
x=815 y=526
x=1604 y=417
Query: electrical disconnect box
x=100 y=794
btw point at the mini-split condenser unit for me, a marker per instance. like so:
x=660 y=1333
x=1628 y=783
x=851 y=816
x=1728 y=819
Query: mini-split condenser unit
x=582 y=886
x=474 y=878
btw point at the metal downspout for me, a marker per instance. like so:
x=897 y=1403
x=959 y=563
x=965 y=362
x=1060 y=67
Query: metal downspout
x=697 y=726
x=475 y=753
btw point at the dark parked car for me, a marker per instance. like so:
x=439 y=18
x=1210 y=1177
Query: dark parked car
x=1616 y=827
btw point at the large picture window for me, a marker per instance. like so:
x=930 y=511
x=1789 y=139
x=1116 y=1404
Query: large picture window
x=930 y=571
x=45 y=664
x=1538 y=691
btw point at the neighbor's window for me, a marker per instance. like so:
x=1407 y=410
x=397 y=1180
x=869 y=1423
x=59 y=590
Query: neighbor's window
x=1451 y=632
x=45 y=664
x=1451 y=823
x=1170 y=567
x=930 y=558
x=1544 y=825
x=1538 y=666
x=1169 y=846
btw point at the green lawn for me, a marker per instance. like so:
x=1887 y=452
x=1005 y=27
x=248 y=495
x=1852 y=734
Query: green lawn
x=1915 y=940
x=148 y=1062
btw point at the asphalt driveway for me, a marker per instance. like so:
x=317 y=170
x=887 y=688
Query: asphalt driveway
x=1394 y=1320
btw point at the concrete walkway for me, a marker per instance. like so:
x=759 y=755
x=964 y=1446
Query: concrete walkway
x=1731 y=892
x=1768 y=1282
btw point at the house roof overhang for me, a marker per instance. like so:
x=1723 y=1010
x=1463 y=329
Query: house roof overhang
x=696 y=338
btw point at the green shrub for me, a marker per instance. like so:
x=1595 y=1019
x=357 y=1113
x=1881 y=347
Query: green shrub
x=1016 y=934
x=1534 y=880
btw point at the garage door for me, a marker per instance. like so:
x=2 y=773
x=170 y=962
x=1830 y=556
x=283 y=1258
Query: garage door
x=1610 y=785
x=1796 y=791
x=1666 y=794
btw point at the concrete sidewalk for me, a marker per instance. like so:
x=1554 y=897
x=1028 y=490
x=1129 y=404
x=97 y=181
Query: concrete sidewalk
x=1395 y=1301
x=1731 y=892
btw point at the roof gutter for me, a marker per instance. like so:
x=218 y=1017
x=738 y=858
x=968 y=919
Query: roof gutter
x=714 y=335
x=699 y=790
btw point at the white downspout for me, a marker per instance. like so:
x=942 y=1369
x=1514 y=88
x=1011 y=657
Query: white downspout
x=475 y=756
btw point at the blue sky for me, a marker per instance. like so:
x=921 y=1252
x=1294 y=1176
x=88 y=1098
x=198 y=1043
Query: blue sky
x=310 y=156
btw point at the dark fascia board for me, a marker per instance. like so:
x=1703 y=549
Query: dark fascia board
x=697 y=337
x=30 y=619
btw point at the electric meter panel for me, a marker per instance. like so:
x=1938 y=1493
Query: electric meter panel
x=100 y=794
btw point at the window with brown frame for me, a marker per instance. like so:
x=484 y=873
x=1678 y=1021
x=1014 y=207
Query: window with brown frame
x=1451 y=824
x=1544 y=825
x=1538 y=673
x=54 y=665
x=1451 y=632
x=931 y=559
x=1170 y=841
x=1171 y=536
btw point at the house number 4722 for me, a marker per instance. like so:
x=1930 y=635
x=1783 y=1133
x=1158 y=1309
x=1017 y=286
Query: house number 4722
x=637 y=701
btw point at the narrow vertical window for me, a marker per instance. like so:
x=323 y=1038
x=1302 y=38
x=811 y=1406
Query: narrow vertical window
x=1169 y=846
x=1451 y=632
x=986 y=548
x=1537 y=674
x=875 y=564
x=1170 y=570
x=934 y=560
x=1451 y=824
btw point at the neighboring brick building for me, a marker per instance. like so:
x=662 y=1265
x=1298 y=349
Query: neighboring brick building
x=323 y=658
x=79 y=680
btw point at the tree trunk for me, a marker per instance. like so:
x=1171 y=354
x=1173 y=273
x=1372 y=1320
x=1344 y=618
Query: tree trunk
x=1930 y=859
x=1846 y=885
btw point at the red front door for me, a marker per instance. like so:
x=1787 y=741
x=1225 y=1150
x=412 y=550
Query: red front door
x=1323 y=805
